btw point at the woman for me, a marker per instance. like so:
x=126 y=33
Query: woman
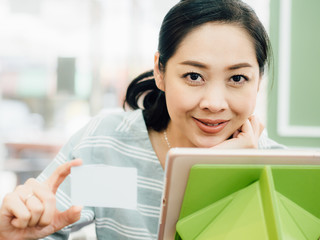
x=201 y=93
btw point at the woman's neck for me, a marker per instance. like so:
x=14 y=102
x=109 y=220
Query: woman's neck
x=160 y=145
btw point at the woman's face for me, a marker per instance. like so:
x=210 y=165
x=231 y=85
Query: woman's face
x=211 y=84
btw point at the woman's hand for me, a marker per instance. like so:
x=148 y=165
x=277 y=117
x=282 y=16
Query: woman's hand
x=30 y=211
x=245 y=137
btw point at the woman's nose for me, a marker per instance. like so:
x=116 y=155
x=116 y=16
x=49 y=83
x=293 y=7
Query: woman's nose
x=214 y=98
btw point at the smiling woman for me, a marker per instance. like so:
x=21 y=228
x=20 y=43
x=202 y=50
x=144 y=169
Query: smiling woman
x=201 y=93
x=215 y=82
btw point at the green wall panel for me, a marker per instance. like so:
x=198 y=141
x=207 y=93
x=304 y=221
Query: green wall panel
x=302 y=112
x=305 y=63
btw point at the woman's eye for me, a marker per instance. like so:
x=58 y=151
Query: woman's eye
x=238 y=79
x=193 y=77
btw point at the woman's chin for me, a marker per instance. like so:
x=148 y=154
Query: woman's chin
x=210 y=144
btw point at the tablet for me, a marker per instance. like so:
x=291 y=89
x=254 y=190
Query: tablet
x=180 y=160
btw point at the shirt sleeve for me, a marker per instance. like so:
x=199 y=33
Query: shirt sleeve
x=266 y=143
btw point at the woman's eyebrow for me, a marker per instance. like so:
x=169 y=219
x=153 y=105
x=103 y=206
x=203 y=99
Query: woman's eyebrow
x=194 y=64
x=239 y=65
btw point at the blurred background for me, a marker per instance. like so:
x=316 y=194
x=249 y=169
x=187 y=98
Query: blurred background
x=64 y=61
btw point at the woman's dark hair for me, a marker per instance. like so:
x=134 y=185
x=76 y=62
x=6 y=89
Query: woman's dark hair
x=179 y=21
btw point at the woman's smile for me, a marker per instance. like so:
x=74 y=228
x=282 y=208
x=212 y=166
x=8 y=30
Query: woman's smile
x=210 y=126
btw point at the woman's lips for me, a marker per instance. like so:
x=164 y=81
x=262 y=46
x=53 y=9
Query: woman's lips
x=210 y=126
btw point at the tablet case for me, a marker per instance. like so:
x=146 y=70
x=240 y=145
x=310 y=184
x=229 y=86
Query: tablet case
x=251 y=202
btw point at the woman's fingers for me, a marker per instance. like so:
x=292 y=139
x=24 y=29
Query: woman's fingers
x=30 y=207
x=61 y=173
x=42 y=203
x=252 y=129
x=246 y=128
x=36 y=209
x=245 y=137
x=48 y=212
x=15 y=207
x=30 y=211
x=33 y=204
x=16 y=202
x=257 y=126
x=67 y=217
x=235 y=134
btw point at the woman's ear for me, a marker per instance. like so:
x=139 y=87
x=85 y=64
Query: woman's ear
x=158 y=74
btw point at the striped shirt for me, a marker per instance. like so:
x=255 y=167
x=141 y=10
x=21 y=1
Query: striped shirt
x=118 y=139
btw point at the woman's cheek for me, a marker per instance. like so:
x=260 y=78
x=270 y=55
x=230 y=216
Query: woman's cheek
x=245 y=105
x=181 y=98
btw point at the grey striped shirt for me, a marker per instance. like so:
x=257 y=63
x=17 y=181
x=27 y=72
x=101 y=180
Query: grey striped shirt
x=119 y=139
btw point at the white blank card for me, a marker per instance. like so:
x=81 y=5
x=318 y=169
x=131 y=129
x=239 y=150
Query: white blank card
x=104 y=186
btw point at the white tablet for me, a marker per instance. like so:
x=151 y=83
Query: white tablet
x=180 y=160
